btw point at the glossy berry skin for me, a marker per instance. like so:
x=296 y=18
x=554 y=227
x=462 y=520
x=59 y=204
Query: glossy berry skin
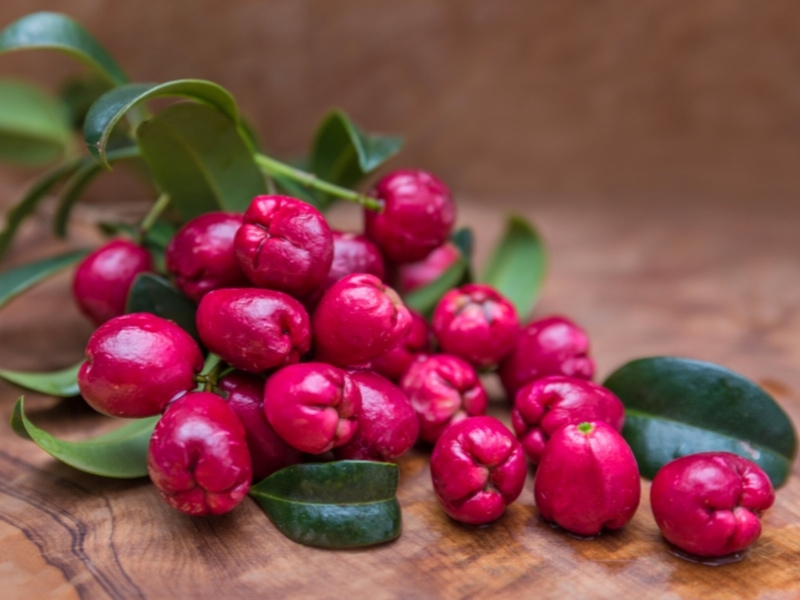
x=544 y=406
x=253 y=329
x=418 y=274
x=478 y=469
x=477 y=323
x=550 y=346
x=708 y=504
x=387 y=425
x=312 y=406
x=357 y=319
x=284 y=244
x=394 y=363
x=200 y=255
x=417 y=217
x=588 y=479
x=244 y=393
x=443 y=390
x=354 y=253
x=136 y=364
x=198 y=457
x=103 y=279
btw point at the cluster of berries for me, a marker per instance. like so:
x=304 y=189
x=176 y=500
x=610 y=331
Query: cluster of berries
x=324 y=359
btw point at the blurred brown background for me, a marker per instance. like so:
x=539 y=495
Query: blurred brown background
x=528 y=101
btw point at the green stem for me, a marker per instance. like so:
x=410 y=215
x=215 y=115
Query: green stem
x=155 y=211
x=275 y=167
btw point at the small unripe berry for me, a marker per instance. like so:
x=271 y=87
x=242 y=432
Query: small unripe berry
x=136 y=364
x=104 y=278
x=198 y=457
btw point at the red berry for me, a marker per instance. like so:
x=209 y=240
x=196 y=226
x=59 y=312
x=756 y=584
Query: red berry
x=709 y=504
x=545 y=405
x=358 y=319
x=198 y=456
x=253 y=329
x=244 y=393
x=477 y=323
x=354 y=253
x=387 y=425
x=417 y=217
x=312 y=406
x=136 y=364
x=284 y=244
x=200 y=255
x=394 y=363
x=415 y=275
x=443 y=390
x=588 y=479
x=104 y=278
x=478 y=469
x=550 y=346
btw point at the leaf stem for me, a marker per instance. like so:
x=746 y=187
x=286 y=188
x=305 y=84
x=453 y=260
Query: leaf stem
x=275 y=167
x=155 y=211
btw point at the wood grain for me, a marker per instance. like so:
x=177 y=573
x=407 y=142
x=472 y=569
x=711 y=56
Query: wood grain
x=715 y=285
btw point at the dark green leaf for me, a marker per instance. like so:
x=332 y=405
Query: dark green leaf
x=63 y=383
x=198 y=156
x=464 y=240
x=20 y=279
x=49 y=30
x=78 y=94
x=154 y=294
x=106 y=112
x=424 y=299
x=677 y=406
x=26 y=206
x=291 y=188
x=341 y=504
x=517 y=266
x=73 y=188
x=34 y=129
x=342 y=154
x=121 y=454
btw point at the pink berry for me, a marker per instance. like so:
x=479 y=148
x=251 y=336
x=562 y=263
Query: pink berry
x=443 y=389
x=387 y=425
x=550 y=346
x=588 y=479
x=312 y=406
x=136 y=364
x=709 y=504
x=478 y=469
x=545 y=405
x=477 y=323
x=418 y=274
x=198 y=456
x=417 y=217
x=104 y=278
x=284 y=244
x=394 y=363
x=200 y=255
x=354 y=253
x=358 y=319
x=244 y=393
x=253 y=329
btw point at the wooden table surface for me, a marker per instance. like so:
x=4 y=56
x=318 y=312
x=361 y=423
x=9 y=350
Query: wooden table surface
x=714 y=284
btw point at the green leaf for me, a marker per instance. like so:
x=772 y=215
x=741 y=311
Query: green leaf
x=154 y=294
x=25 y=207
x=107 y=111
x=121 y=454
x=20 y=279
x=80 y=178
x=34 y=128
x=63 y=383
x=677 y=406
x=424 y=299
x=342 y=154
x=198 y=156
x=517 y=266
x=54 y=31
x=340 y=504
x=78 y=94
x=464 y=240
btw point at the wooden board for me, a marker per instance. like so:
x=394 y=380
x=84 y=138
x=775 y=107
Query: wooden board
x=719 y=286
